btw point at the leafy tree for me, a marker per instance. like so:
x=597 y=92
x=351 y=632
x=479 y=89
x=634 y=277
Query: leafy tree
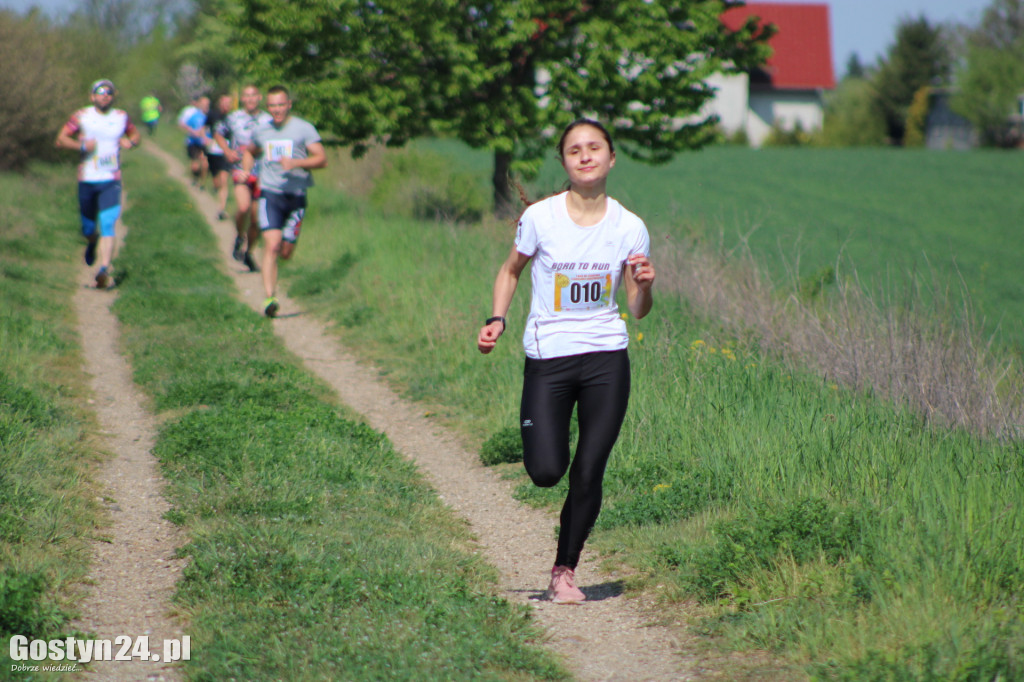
x=149 y=66
x=852 y=116
x=919 y=57
x=205 y=58
x=854 y=67
x=917 y=118
x=500 y=75
x=993 y=75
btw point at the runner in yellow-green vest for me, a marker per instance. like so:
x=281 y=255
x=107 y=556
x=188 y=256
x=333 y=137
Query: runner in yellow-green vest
x=151 y=109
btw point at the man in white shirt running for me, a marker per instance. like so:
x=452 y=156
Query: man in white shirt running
x=99 y=133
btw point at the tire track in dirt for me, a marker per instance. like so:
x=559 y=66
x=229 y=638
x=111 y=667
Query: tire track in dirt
x=608 y=638
x=134 y=570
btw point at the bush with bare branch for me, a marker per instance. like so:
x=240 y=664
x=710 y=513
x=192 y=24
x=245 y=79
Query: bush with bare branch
x=40 y=87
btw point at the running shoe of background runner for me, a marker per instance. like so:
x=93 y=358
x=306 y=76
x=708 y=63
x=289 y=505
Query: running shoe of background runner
x=90 y=251
x=103 y=278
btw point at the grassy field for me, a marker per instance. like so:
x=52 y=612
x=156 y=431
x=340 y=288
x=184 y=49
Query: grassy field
x=47 y=508
x=894 y=216
x=788 y=514
x=826 y=526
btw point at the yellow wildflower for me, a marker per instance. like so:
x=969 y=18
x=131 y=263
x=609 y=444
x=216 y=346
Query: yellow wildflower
x=640 y=336
x=661 y=486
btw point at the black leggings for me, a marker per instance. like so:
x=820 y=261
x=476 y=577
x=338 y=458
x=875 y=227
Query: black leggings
x=599 y=384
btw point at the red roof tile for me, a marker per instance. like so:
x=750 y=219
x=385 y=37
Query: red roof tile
x=802 y=46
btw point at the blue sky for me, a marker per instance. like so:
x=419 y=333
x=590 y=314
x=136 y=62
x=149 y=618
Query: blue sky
x=866 y=27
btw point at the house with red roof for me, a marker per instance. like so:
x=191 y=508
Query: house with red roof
x=787 y=91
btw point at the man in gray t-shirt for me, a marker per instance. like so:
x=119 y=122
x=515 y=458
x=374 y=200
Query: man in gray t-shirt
x=288 y=148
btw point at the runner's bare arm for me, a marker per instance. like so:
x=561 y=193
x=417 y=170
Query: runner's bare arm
x=249 y=158
x=504 y=288
x=67 y=140
x=132 y=139
x=316 y=158
x=230 y=154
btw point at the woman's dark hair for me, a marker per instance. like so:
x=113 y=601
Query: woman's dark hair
x=584 y=122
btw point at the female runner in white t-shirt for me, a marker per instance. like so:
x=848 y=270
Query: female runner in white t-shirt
x=583 y=244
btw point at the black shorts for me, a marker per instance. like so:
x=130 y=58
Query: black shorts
x=218 y=164
x=281 y=211
x=194 y=151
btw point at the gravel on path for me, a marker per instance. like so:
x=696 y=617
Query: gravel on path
x=134 y=569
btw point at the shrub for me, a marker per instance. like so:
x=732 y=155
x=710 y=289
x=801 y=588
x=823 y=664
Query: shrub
x=802 y=531
x=422 y=186
x=810 y=286
x=504 y=446
x=780 y=136
x=24 y=609
x=917 y=119
x=40 y=90
x=852 y=118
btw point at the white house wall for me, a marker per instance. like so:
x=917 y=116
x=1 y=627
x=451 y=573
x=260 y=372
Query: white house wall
x=729 y=102
x=755 y=112
x=784 y=109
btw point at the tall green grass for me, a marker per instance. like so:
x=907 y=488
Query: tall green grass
x=830 y=527
x=47 y=512
x=316 y=551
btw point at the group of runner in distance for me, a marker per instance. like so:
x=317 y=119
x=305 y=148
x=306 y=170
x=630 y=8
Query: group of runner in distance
x=267 y=155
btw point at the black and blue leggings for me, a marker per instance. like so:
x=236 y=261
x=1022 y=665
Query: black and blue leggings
x=99 y=203
x=598 y=385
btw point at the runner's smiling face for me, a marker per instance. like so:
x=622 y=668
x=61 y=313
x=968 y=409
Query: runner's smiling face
x=279 y=105
x=586 y=156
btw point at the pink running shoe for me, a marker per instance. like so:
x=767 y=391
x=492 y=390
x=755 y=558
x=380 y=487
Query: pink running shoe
x=562 y=589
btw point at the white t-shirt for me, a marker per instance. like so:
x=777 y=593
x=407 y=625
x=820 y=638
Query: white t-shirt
x=240 y=125
x=186 y=114
x=103 y=163
x=575 y=273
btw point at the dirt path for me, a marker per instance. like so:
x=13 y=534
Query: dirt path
x=134 y=573
x=609 y=637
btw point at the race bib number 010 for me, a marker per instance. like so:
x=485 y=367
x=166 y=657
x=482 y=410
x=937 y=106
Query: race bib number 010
x=579 y=291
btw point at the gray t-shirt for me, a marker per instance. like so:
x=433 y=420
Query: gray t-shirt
x=290 y=140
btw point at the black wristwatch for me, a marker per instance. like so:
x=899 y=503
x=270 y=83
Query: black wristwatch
x=497 y=318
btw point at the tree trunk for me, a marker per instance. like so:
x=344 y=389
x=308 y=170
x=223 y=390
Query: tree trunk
x=504 y=207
